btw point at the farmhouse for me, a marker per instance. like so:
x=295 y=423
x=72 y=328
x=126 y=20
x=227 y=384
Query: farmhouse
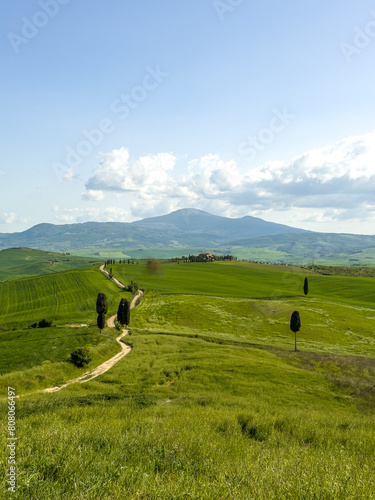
x=207 y=256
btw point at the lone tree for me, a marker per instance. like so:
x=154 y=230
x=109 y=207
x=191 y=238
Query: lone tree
x=295 y=325
x=101 y=309
x=306 y=287
x=123 y=312
x=101 y=321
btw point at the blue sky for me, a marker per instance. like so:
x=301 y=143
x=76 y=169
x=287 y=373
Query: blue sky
x=125 y=109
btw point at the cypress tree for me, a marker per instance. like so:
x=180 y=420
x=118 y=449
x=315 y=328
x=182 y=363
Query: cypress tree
x=123 y=312
x=127 y=312
x=306 y=286
x=101 y=304
x=295 y=325
x=101 y=321
x=101 y=309
x=120 y=312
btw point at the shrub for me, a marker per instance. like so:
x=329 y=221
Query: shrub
x=43 y=323
x=133 y=287
x=81 y=357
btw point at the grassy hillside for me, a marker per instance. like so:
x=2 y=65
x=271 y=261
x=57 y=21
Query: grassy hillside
x=18 y=263
x=190 y=419
x=242 y=279
x=67 y=296
x=212 y=402
x=67 y=299
x=35 y=359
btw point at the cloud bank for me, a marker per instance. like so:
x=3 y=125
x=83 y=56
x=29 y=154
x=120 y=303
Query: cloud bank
x=336 y=181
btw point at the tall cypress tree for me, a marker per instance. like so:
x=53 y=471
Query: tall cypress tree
x=123 y=312
x=101 y=309
x=101 y=304
x=295 y=325
x=127 y=312
x=120 y=312
x=306 y=287
x=101 y=321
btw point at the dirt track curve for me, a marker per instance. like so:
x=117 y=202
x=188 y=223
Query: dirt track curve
x=86 y=377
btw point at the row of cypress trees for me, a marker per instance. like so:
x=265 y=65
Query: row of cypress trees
x=123 y=312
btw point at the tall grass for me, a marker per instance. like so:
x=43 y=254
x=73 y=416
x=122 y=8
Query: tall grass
x=187 y=419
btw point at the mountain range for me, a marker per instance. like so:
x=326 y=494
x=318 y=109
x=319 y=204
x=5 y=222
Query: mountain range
x=191 y=228
x=186 y=227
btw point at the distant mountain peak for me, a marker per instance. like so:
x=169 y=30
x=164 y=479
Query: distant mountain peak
x=190 y=211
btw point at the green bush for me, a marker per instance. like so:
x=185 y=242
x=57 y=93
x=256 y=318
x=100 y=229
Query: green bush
x=81 y=357
x=43 y=323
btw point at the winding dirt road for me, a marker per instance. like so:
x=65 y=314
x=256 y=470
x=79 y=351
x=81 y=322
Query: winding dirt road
x=86 y=377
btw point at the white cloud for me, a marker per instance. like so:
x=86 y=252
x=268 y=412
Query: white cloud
x=8 y=218
x=91 y=195
x=117 y=172
x=212 y=176
x=69 y=175
x=333 y=182
x=11 y=218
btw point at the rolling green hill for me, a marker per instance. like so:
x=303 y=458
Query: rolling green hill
x=212 y=402
x=66 y=296
x=18 y=263
x=243 y=279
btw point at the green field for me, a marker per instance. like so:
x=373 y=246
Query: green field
x=212 y=402
x=242 y=279
x=67 y=296
x=16 y=263
x=145 y=253
x=300 y=255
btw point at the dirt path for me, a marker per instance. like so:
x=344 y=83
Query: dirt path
x=118 y=283
x=86 y=377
